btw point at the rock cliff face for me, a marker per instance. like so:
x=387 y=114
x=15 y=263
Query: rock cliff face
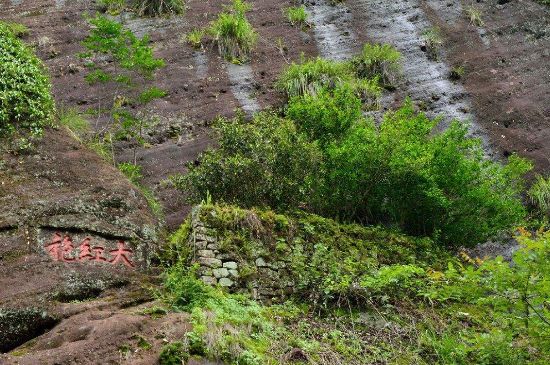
x=71 y=227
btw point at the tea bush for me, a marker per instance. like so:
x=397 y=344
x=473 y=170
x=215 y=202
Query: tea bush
x=26 y=103
x=430 y=185
x=263 y=162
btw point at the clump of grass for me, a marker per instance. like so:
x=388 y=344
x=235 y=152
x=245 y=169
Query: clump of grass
x=457 y=73
x=112 y=7
x=474 y=14
x=297 y=16
x=233 y=32
x=432 y=42
x=160 y=7
x=97 y=76
x=194 y=38
x=74 y=122
x=309 y=77
x=151 y=94
x=380 y=61
x=539 y=194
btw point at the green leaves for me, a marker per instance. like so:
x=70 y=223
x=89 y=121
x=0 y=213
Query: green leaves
x=264 y=162
x=26 y=103
x=233 y=32
x=110 y=37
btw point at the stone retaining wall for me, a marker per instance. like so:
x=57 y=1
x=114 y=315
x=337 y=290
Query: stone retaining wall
x=264 y=278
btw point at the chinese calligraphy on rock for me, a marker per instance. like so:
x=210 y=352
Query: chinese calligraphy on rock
x=61 y=248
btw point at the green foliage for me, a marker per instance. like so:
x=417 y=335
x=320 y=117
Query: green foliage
x=432 y=42
x=233 y=32
x=151 y=94
x=539 y=194
x=173 y=354
x=328 y=114
x=436 y=185
x=183 y=289
x=194 y=38
x=97 y=76
x=311 y=76
x=26 y=103
x=160 y=7
x=263 y=162
x=131 y=171
x=510 y=300
x=380 y=61
x=109 y=37
x=297 y=15
x=17 y=29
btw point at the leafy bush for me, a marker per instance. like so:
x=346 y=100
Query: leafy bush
x=327 y=115
x=264 y=162
x=160 y=7
x=380 y=61
x=233 y=33
x=509 y=299
x=151 y=94
x=435 y=185
x=26 y=103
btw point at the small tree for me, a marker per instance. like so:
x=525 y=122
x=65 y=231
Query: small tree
x=264 y=162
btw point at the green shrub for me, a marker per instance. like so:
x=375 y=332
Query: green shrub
x=264 y=162
x=173 y=354
x=26 y=103
x=297 y=15
x=435 y=185
x=183 y=289
x=160 y=7
x=233 y=33
x=327 y=115
x=380 y=61
x=509 y=301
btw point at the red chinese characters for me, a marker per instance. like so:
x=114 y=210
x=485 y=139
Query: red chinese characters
x=62 y=248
